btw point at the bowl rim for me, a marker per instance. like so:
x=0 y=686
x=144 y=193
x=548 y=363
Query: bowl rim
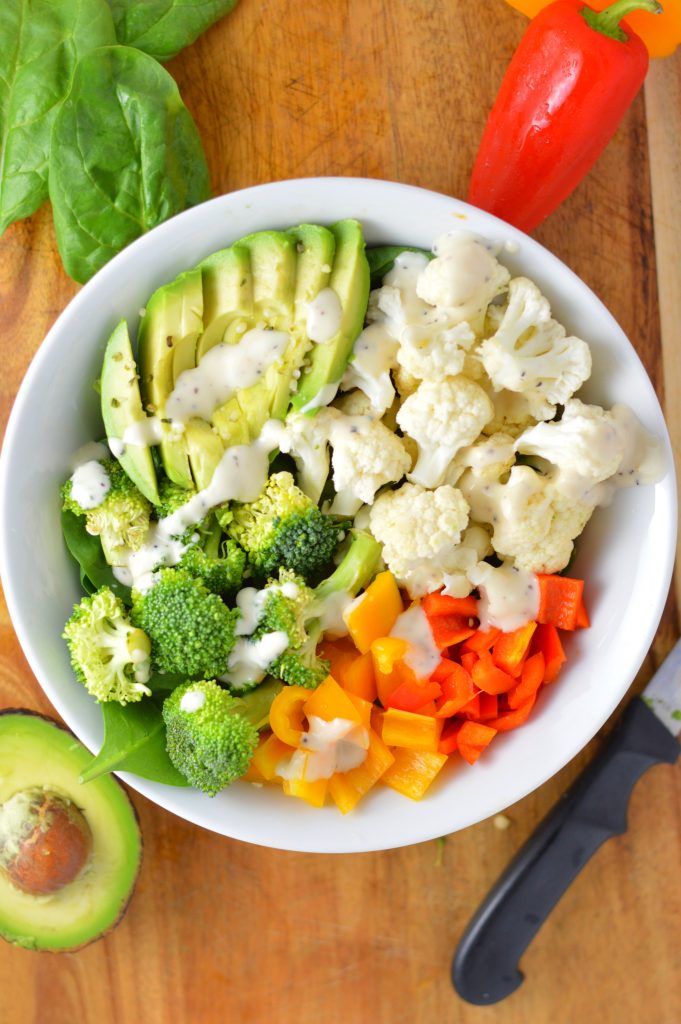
x=163 y=795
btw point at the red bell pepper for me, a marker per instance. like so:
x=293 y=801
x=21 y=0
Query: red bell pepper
x=569 y=83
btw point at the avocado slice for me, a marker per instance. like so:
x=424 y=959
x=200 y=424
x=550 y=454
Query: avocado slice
x=122 y=406
x=315 y=248
x=350 y=281
x=167 y=340
x=273 y=270
x=227 y=296
x=41 y=759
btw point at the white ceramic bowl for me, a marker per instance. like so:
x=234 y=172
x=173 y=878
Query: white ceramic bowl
x=626 y=553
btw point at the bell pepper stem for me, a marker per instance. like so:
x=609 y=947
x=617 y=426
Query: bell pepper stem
x=607 y=22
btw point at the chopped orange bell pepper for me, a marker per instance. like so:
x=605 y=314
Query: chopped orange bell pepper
x=407 y=729
x=443 y=604
x=329 y=701
x=374 y=614
x=480 y=641
x=457 y=690
x=512 y=719
x=510 y=649
x=530 y=681
x=269 y=754
x=364 y=707
x=413 y=771
x=472 y=739
x=340 y=653
x=412 y=695
x=560 y=599
x=358 y=677
x=547 y=641
x=287 y=715
x=488 y=677
x=347 y=788
x=449 y=737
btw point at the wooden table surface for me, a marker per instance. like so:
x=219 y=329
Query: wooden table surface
x=222 y=931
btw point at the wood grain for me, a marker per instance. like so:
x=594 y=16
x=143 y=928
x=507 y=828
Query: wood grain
x=220 y=930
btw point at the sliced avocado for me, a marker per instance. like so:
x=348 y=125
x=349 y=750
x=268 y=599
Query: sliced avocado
x=227 y=295
x=273 y=270
x=350 y=281
x=122 y=406
x=168 y=334
x=315 y=247
x=205 y=449
x=69 y=854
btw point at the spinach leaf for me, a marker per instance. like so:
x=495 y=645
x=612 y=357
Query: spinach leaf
x=134 y=741
x=164 y=27
x=95 y=571
x=381 y=259
x=40 y=43
x=125 y=156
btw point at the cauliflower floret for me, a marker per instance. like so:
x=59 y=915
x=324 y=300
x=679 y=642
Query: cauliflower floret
x=490 y=458
x=366 y=455
x=532 y=522
x=589 y=447
x=530 y=351
x=514 y=411
x=431 y=354
x=420 y=531
x=443 y=417
x=306 y=438
x=404 y=382
x=471 y=552
x=463 y=278
x=355 y=403
x=373 y=358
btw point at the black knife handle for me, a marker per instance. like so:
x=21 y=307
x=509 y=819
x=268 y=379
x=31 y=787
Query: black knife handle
x=485 y=966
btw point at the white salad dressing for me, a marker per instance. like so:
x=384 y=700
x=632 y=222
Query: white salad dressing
x=333 y=613
x=248 y=661
x=463 y=278
x=250 y=601
x=90 y=484
x=192 y=700
x=328 y=747
x=373 y=357
x=93 y=451
x=509 y=597
x=223 y=371
x=422 y=656
x=323 y=397
x=324 y=315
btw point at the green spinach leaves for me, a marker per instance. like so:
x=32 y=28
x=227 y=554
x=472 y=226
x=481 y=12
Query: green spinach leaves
x=164 y=27
x=126 y=155
x=40 y=44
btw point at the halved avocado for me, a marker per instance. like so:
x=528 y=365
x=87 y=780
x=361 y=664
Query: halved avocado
x=350 y=281
x=122 y=406
x=87 y=835
x=166 y=346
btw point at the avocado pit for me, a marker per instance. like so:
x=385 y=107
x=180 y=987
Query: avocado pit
x=45 y=841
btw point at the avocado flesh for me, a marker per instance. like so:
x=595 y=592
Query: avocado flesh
x=122 y=406
x=350 y=281
x=167 y=340
x=37 y=752
x=227 y=297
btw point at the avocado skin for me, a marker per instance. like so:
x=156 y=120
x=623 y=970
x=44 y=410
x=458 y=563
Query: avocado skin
x=350 y=280
x=122 y=406
x=68 y=746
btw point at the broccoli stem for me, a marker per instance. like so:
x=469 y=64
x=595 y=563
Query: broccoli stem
x=255 y=706
x=355 y=571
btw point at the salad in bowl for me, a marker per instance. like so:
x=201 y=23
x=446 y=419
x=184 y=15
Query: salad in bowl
x=368 y=552
x=326 y=537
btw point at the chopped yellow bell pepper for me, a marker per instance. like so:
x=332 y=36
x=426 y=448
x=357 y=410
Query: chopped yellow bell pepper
x=269 y=754
x=364 y=707
x=329 y=701
x=313 y=793
x=374 y=614
x=412 y=771
x=347 y=788
x=287 y=715
x=411 y=730
x=387 y=650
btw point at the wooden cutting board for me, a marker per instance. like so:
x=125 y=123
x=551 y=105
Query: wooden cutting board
x=221 y=931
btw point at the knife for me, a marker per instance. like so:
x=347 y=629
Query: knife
x=485 y=966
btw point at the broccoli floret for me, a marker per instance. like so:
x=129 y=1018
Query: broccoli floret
x=222 y=574
x=283 y=528
x=211 y=735
x=287 y=609
x=109 y=655
x=191 y=629
x=121 y=520
x=301 y=666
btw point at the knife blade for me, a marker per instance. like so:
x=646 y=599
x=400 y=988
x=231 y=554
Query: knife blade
x=485 y=966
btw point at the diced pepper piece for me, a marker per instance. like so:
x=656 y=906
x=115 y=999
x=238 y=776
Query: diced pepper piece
x=512 y=719
x=413 y=771
x=287 y=715
x=313 y=793
x=547 y=641
x=374 y=614
x=457 y=690
x=340 y=653
x=472 y=709
x=482 y=640
x=443 y=604
x=530 y=681
x=583 y=621
x=448 y=630
x=510 y=650
x=407 y=729
x=269 y=754
x=488 y=677
x=386 y=650
x=560 y=599
x=489 y=706
x=364 y=707
x=347 y=788
x=468 y=659
x=253 y=774
x=358 y=677
x=411 y=695
x=473 y=738
x=329 y=701
x=449 y=737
